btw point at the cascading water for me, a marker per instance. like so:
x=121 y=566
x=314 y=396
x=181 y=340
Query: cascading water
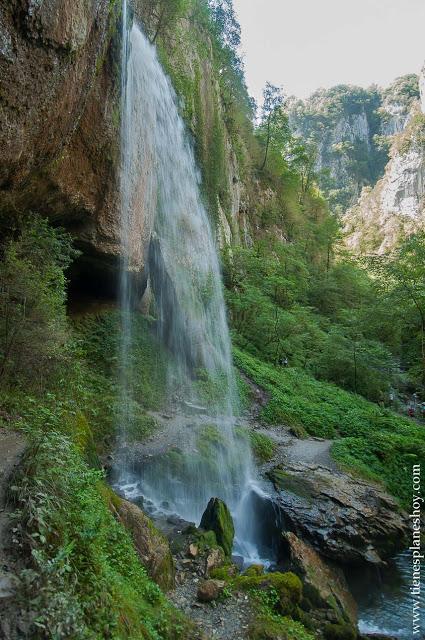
x=159 y=172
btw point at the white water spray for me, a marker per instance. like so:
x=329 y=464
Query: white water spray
x=160 y=177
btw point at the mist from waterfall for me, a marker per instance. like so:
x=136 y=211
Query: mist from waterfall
x=159 y=171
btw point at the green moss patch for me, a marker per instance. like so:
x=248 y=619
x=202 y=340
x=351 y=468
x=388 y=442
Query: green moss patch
x=217 y=518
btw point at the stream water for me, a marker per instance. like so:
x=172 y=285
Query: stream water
x=386 y=605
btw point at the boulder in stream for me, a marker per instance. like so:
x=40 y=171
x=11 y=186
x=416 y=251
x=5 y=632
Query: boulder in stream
x=346 y=519
x=217 y=518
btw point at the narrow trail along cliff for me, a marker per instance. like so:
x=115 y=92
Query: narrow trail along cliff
x=12 y=447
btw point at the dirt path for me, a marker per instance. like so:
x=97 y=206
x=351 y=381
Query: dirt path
x=12 y=446
x=291 y=449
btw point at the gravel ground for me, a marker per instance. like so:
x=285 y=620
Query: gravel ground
x=225 y=619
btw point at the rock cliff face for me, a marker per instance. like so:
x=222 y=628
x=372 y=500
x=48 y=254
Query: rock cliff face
x=347 y=520
x=188 y=58
x=59 y=114
x=348 y=126
x=395 y=207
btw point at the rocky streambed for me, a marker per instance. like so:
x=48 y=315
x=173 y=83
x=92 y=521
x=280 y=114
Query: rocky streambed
x=322 y=523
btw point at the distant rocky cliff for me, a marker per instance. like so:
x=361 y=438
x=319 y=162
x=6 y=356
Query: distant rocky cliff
x=395 y=206
x=348 y=126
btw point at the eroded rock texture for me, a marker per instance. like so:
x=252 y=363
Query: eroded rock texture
x=345 y=519
x=325 y=583
x=59 y=111
x=395 y=207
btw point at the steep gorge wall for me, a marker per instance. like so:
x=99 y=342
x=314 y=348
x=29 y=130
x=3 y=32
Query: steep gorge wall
x=349 y=126
x=395 y=207
x=60 y=113
x=59 y=108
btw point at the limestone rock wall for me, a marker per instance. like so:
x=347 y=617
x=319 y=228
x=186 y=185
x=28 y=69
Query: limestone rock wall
x=59 y=114
x=395 y=207
x=348 y=126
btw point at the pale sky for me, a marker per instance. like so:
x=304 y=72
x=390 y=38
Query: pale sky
x=306 y=44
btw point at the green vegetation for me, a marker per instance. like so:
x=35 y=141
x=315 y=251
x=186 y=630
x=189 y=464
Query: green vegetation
x=203 y=63
x=263 y=447
x=32 y=304
x=323 y=316
x=95 y=340
x=356 y=159
x=328 y=338
x=161 y=16
x=276 y=599
x=369 y=440
x=217 y=518
x=83 y=577
x=340 y=632
x=400 y=283
x=354 y=155
x=403 y=91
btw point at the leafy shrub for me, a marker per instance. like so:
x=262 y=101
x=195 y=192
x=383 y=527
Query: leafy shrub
x=32 y=303
x=86 y=579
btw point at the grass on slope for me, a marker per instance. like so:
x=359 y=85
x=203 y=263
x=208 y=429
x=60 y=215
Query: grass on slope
x=368 y=439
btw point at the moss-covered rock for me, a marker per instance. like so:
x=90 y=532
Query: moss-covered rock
x=254 y=570
x=152 y=547
x=269 y=627
x=265 y=629
x=226 y=573
x=287 y=586
x=340 y=632
x=82 y=436
x=324 y=584
x=217 y=518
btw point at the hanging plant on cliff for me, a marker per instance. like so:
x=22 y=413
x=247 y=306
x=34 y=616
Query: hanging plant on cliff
x=161 y=14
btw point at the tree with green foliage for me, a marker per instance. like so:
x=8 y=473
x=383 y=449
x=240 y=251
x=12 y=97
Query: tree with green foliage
x=161 y=14
x=227 y=27
x=401 y=278
x=32 y=301
x=274 y=122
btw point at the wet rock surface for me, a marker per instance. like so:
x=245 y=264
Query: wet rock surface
x=335 y=520
x=217 y=518
x=325 y=583
x=344 y=518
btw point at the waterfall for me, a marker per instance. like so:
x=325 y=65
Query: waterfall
x=160 y=177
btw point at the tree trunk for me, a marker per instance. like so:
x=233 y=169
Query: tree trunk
x=267 y=143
